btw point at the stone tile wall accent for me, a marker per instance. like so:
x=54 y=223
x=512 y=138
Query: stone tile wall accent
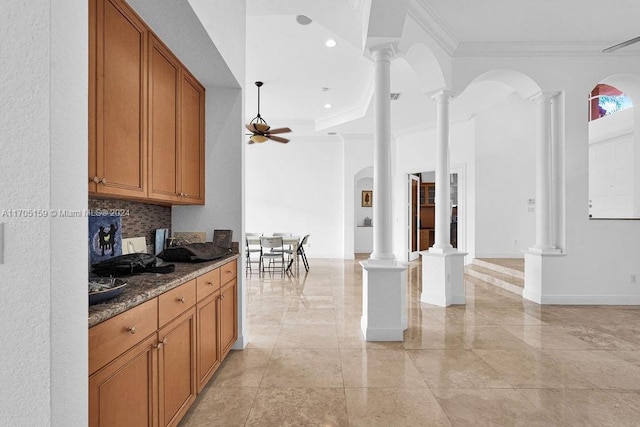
x=138 y=219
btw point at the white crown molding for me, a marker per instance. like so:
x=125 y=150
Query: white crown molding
x=501 y=49
x=431 y=23
x=351 y=114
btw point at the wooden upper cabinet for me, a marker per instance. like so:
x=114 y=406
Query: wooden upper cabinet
x=164 y=80
x=146 y=113
x=192 y=106
x=118 y=101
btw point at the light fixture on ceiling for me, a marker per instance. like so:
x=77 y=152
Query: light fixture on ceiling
x=260 y=130
x=330 y=43
x=303 y=20
x=332 y=133
x=327 y=104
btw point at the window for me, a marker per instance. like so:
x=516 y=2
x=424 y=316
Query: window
x=605 y=100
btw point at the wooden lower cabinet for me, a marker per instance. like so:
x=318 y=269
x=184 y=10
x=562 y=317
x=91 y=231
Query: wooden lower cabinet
x=208 y=337
x=228 y=316
x=176 y=367
x=147 y=364
x=125 y=392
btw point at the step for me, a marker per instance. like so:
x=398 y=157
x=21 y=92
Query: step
x=495 y=278
x=510 y=266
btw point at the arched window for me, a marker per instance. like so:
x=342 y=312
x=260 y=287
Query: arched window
x=605 y=100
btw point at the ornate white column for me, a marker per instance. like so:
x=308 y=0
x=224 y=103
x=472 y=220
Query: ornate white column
x=443 y=203
x=544 y=194
x=382 y=242
x=384 y=298
x=442 y=265
x=539 y=258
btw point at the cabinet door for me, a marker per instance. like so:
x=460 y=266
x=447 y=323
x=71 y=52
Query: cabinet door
x=176 y=367
x=164 y=80
x=191 y=140
x=208 y=338
x=124 y=392
x=228 y=316
x=120 y=101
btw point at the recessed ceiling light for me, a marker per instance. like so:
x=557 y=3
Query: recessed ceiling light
x=330 y=43
x=327 y=105
x=332 y=133
x=303 y=20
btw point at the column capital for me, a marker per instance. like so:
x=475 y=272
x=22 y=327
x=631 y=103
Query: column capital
x=441 y=94
x=382 y=52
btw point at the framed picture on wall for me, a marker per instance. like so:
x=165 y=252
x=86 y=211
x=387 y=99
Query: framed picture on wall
x=367 y=198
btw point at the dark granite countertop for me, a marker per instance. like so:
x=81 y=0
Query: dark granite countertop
x=143 y=287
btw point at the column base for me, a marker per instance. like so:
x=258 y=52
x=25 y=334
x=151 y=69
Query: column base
x=384 y=301
x=537 y=266
x=545 y=250
x=443 y=278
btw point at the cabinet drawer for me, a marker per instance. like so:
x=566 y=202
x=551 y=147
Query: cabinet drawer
x=228 y=272
x=208 y=283
x=175 y=301
x=113 y=337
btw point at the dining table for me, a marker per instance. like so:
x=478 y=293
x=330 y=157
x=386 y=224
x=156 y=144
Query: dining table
x=291 y=241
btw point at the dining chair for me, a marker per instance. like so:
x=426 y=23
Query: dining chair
x=300 y=253
x=287 y=247
x=273 y=252
x=252 y=248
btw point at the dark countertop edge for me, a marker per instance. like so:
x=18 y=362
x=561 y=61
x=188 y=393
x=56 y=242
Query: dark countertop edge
x=146 y=286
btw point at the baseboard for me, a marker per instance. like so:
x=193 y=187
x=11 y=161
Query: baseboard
x=240 y=343
x=518 y=254
x=591 y=299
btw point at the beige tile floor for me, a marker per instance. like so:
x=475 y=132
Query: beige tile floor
x=498 y=360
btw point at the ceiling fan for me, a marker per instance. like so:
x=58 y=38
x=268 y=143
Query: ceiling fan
x=260 y=130
x=621 y=45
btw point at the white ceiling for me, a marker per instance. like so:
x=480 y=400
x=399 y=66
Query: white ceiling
x=294 y=64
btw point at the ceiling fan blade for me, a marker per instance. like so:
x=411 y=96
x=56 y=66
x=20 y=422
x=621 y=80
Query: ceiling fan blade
x=250 y=142
x=621 y=45
x=279 y=130
x=277 y=139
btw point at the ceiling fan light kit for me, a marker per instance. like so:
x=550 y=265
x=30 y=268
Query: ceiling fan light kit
x=260 y=130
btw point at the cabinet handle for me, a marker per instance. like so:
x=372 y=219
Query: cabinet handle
x=96 y=180
x=180 y=299
x=210 y=283
x=161 y=343
x=228 y=271
x=104 y=181
x=221 y=296
x=132 y=329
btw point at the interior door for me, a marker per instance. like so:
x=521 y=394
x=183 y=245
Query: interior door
x=414 y=218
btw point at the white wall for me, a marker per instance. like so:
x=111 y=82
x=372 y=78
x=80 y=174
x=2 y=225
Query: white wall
x=415 y=153
x=505 y=178
x=298 y=187
x=363 y=237
x=358 y=159
x=43 y=167
x=225 y=21
x=612 y=193
x=599 y=256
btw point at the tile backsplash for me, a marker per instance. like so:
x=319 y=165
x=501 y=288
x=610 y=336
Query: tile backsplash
x=138 y=219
